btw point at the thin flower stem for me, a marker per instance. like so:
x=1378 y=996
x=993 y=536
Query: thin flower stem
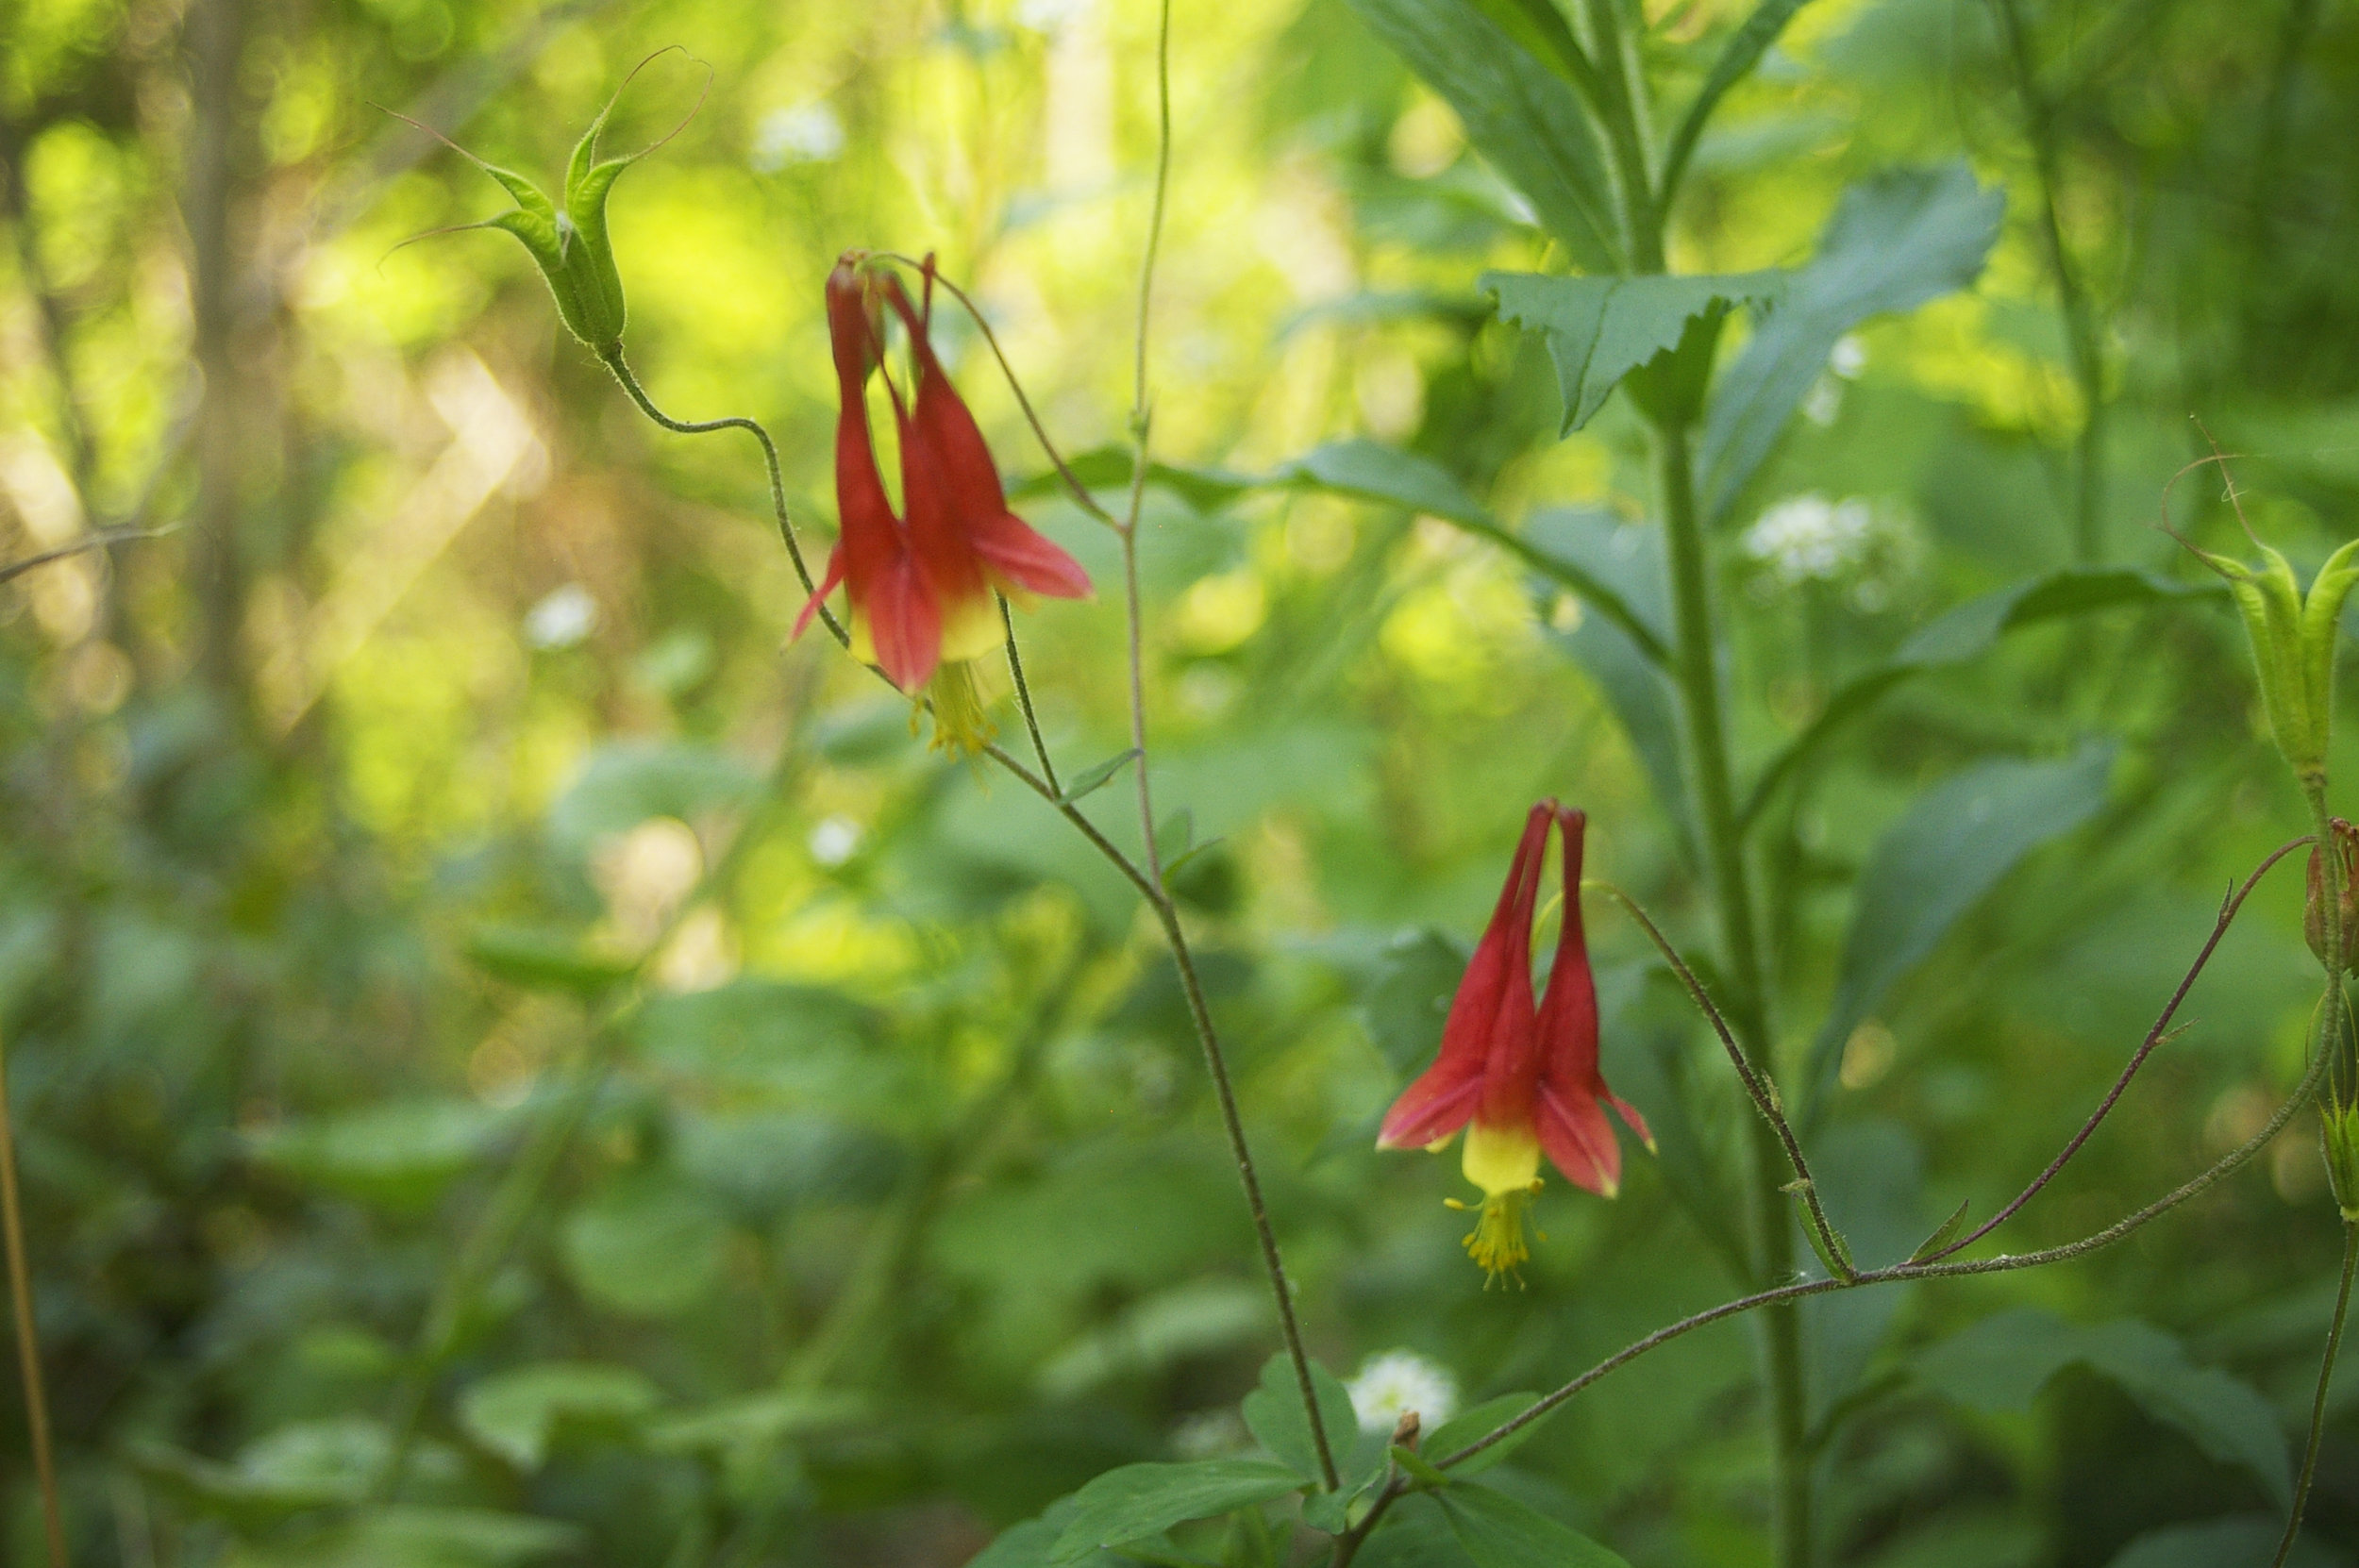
x=1040 y=432
x=613 y=360
x=1763 y=1095
x=28 y=1338
x=1215 y=1062
x=2146 y=1048
x=2317 y=1402
x=1902 y=1273
x=1023 y=697
x=99 y=540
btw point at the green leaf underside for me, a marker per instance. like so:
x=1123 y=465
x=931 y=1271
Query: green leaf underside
x=1964 y=634
x=1500 y=1532
x=1517 y=113
x=1468 y=1425
x=1936 y=862
x=1945 y=1234
x=1599 y=329
x=1274 y=1414
x=1896 y=241
x=2002 y=1362
x=1738 y=57
x=1093 y=780
x=1140 y=1500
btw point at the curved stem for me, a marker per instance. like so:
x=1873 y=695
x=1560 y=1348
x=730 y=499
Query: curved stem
x=1783 y=1295
x=1040 y=432
x=2146 y=1048
x=28 y=1338
x=2317 y=1403
x=1762 y=1093
x=1023 y=696
x=614 y=362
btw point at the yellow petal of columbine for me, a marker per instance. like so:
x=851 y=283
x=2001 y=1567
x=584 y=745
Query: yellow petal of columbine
x=972 y=629
x=1505 y=1163
x=1501 y=1159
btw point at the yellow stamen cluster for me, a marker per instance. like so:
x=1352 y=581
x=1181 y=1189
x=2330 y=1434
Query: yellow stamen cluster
x=961 y=726
x=1497 y=1241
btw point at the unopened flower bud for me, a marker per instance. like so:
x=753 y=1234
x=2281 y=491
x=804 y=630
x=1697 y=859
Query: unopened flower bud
x=2338 y=1134
x=2346 y=845
x=2293 y=647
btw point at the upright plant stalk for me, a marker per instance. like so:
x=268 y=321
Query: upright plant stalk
x=2317 y=1402
x=1158 y=897
x=2332 y=1029
x=1695 y=669
x=2088 y=363
x=27 y=1339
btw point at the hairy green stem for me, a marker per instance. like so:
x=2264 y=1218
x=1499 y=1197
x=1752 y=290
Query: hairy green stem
x=2317 y=1403
x=1695 y=669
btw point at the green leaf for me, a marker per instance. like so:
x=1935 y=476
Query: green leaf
x=2002 y=1362
x=1647 y=704
x=399 y=1156
x=1738 y=57
x=1500 y=1532
x=1947 y=1233
x=1274 y=1414
x=1140 y=1500
x=1093 y=780
x=404 y=1535
x=626 y=783
x=647 y=1247
x=1517 y=113
x=543 y=959
x=1599 y=329
x=1895 y=242
x=1417 y=1466
x=1964 y=634
x=518 y=1412
x=2246 y=1541
x=1176 y=835
x=1471 y=1423
x=1413 y=1534
x=1936 y=862
x=1405 y=1005
x=759 y=1422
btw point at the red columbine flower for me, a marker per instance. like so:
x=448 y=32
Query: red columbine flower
x=1522 y=1080
x=921 y=593
x=895 y=624
x=968 y=542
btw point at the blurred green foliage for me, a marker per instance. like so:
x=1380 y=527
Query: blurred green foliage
x=339 y=828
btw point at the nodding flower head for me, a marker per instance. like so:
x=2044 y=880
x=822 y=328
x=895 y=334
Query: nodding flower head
x=921 y=588
x=1520 y=1078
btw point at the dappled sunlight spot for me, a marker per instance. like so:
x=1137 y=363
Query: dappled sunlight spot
x=1219 y=612
x=643 y=873
x=1868 y=1055
x=831 y=940
x=701 y=955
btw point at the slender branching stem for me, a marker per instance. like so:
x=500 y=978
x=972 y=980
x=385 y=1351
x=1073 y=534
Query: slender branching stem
x=1081 y=496
x=1757 y=1086
x=98 y=541
x=2317 y=1401
x=1902 y=1273
x=28 y=1337
x=614 y=362
x=2154 y=1037
x=1023 y=696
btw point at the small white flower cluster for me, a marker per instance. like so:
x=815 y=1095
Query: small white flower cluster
x=801 y=133
x=1811 y=538
x=1401 y=1380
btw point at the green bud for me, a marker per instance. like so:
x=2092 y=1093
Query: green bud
x=569 y=243
x=2338 y=1134
x=2293 y=647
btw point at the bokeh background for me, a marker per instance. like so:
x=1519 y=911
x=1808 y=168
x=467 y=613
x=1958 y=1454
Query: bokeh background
x=885 y=1203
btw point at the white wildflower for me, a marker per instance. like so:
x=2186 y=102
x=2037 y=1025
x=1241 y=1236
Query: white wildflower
x=563 y=618
x=1401 y=1380
x=1810 y=538
x=803 y=133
